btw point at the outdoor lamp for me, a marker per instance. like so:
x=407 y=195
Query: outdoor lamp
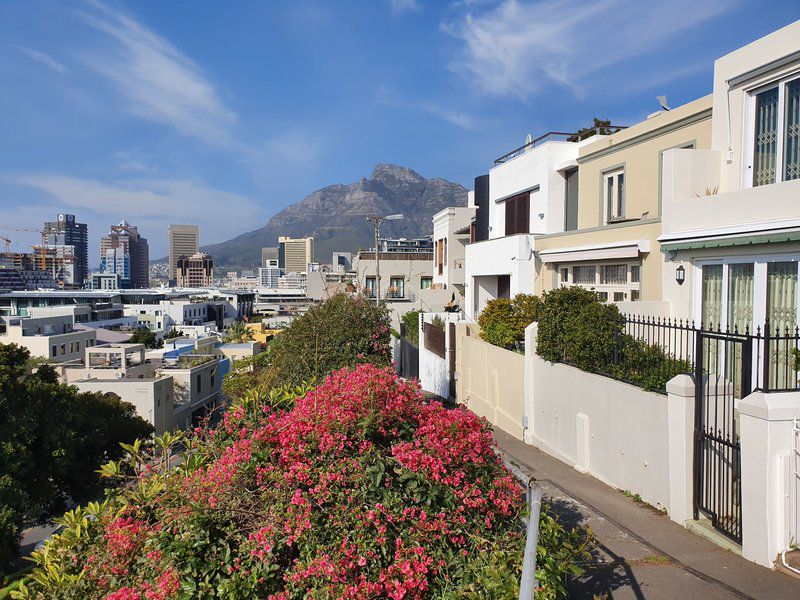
x=680 y=275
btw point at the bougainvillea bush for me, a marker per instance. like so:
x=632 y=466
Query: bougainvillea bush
x=357 y=489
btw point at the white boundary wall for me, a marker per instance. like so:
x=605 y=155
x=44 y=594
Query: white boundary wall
x=434 y=372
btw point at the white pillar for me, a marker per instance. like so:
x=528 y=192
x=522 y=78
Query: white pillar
x=765 y=427
x=680 y=424
x=531 y=336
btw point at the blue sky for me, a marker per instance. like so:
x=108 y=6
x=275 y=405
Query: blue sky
x=221 y=114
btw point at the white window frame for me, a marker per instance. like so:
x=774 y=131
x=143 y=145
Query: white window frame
x=750 y=124
x=598 y=285
x=759 y=263
x=619 y=198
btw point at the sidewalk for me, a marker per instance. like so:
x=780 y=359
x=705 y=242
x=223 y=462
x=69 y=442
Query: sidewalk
x=641 y=553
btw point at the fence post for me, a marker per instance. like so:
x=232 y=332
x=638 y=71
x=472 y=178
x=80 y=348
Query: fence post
x=680 y=433
x=531 y=335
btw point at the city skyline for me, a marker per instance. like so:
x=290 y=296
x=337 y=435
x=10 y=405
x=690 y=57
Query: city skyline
x=413 y=83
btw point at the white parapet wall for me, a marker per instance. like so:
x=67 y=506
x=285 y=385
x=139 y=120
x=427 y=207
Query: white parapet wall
x=611 y=430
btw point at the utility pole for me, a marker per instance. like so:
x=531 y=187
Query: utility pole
x=376 y=221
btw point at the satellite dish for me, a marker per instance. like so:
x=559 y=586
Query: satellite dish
x=662 y=100
x=528 y=139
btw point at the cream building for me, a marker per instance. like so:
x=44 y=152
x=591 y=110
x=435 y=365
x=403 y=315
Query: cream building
x=295 y=254
x=612 y=245
x=184 y=240
x=54 y=338
x=731 y=218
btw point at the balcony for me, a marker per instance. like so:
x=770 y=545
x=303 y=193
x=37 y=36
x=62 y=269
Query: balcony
x=693 y=206
x=557 y=136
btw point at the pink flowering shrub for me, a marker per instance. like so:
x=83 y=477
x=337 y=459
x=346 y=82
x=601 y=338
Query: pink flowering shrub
x=360 y=490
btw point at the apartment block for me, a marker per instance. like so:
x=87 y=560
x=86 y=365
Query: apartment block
x=184 y=241
x=51 y=337
x=195 y=271
x=295 y=254
x=66 y=231
x=125 y=239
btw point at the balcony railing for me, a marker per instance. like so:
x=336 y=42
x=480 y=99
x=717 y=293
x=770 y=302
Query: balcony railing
x=558 y=136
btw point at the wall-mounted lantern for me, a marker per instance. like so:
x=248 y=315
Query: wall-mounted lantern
x=680 y=275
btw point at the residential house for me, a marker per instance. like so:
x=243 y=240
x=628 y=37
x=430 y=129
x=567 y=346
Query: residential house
x=731 y=225
x=529 y=192
x=50 y=337
x=451 y=234
x=610 y=241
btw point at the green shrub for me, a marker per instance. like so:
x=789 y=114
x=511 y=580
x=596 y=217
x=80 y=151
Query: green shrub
x=555 y=308
x=411 y=324
x=590 y=334
x=647 y=366
x=342 y=331
x=503 y=320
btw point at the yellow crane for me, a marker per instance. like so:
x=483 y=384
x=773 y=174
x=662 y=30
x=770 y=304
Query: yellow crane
x=42 y=253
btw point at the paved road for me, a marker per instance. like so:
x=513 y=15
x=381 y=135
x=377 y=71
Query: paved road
x=640 y=553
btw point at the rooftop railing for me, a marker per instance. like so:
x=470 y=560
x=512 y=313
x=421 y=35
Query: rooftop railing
x=559 y=136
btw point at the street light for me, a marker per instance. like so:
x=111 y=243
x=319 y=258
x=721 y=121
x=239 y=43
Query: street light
x=376 y=221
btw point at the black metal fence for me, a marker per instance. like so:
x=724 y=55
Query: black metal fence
x=767 y=359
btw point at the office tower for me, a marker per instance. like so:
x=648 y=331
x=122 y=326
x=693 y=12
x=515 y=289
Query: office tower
x=295 y=254
x=268 y=254
x=125 y=239
x=184 y=240
x=269 y=274
x=342 y=261
x=195 y=271
x=65 y=231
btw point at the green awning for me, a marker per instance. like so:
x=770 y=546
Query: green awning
x=722 y=242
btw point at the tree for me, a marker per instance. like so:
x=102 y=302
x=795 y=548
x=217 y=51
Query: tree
x=238 y=333
x=52 y=439
x=144 y=336
x=342 y=331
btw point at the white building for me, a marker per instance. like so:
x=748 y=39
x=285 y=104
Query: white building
x=269 y=274
x=451 y=234
x=52 y=337
x=526 y=193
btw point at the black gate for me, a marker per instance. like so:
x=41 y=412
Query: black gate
x=723 y=375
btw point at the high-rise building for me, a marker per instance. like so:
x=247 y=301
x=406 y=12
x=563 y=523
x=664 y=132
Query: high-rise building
x=269 y=274
x=195 y=271
x=125 y=239
x=65 y=231
x=295 y=254
x=184 y=241
x=268 y=254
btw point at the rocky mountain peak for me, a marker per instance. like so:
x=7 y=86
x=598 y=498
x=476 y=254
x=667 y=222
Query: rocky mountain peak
x=385 y=172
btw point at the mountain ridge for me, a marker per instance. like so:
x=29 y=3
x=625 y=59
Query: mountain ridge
x=336 y=216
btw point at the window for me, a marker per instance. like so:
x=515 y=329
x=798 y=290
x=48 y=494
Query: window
x=614 y=195
x=55 y=351
x=199 y=381
x=776 y=133
x=602 y=296
x=63 y=349
x=619 y=296
x=615 y=274
x=634 y=273
x=518 y=214
x=564 y=275
x=634 y=295
x=584 y=275
x=370 y=287
x=425 y=282
x=397 y=287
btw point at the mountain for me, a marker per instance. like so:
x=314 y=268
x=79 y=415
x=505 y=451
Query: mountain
x=336 y=216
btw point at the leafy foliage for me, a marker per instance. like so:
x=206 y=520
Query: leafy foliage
x=238 y=333
x=358 y=488
x=343 y=330
x=411 y=325
x=503 y=320
x=52 y=439
x=144 y=336
x=575 y=327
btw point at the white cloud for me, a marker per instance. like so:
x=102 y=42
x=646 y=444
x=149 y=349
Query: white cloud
x=150 y=203
x=516 y=48
x=43 y=58
x=157 y=80
x=459 y=118
x=401 y=6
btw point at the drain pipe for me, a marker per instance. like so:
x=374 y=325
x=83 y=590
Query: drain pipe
x=533 y=495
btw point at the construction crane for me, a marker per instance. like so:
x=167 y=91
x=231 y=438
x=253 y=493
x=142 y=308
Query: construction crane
x=42 y=253
x=8 y=243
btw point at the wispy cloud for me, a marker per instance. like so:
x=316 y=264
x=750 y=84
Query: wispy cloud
x=452 y=115
x=43 y=58
x=151 y=201
x=516 y=47
x=158 y=81
x=401 y=6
